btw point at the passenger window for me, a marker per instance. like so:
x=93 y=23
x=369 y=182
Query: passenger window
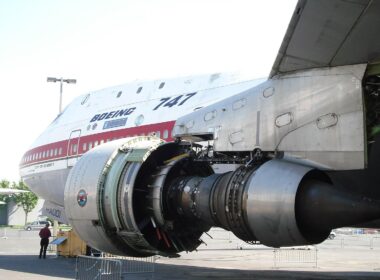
x=55 y=152
x=84 y=147
x=96 y=143
x=166 y=134
x=60 y=151
x=90 y=145
x=101 y=141
x=43 y=154
x=75 y=148
x=51 y=152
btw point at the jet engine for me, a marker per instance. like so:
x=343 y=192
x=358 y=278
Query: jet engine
x=140 y=196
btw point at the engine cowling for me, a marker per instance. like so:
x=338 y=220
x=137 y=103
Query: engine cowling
x=113 y=198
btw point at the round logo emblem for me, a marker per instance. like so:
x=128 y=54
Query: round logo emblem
x=82 y=198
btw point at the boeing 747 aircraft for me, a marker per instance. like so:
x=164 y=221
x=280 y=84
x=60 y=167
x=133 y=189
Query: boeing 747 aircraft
x=132 y=167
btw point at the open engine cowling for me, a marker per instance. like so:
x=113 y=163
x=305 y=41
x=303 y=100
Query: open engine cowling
x=113 y=198
x=140 y=196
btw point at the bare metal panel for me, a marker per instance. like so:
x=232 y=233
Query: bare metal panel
x=270 y=203
x=330 y=33
x=314 y=117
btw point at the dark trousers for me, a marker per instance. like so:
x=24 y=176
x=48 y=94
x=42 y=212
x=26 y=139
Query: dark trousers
x=44 y=244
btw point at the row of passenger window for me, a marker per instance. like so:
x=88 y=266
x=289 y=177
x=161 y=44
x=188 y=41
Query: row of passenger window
x=43 y=155
x=139 y=89
x=85 y=147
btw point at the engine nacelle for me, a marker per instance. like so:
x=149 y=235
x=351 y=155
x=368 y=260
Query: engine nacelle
x=140 y=196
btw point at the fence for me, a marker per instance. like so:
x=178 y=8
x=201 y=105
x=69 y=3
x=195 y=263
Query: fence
x=4 y=233
x=92 y=268
x=354 y=241
x=305 y=256
x=114 y=267
x=217 y=238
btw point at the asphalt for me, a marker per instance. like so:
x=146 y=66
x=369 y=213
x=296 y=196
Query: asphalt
x=224 y=257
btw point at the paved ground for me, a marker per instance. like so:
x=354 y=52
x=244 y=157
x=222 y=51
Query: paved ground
x=346 y=257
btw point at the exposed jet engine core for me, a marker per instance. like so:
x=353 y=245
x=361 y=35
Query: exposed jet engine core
x=140 y=196
x=113 y=198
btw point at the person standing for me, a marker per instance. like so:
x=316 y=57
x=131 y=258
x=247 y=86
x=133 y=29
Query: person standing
x=44 y=234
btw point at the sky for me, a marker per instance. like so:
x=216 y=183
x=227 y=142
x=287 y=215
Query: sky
x=106 y=43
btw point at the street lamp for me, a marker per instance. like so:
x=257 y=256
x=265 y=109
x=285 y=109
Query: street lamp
x=61 y=80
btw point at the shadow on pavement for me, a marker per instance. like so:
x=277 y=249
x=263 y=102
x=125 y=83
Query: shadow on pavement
x=51 y=266
x=65 y=268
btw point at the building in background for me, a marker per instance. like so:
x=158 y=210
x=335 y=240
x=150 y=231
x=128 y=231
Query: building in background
x=11 y=214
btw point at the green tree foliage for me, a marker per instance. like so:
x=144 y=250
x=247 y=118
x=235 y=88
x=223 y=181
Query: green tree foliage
x=4 y=184
x=27 y=200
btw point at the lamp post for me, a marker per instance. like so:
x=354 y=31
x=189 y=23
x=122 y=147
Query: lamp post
x=61 y=80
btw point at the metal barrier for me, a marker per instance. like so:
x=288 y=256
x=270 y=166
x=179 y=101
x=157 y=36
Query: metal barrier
x=361 y=241
x=93 y=268
x=295 y=257
x=4 y=233
x=113 y=267
x=131 y=265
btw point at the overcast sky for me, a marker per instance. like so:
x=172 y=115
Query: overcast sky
x=106 y=43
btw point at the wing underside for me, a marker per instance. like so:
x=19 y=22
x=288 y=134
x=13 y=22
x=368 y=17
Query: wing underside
x=327 y=33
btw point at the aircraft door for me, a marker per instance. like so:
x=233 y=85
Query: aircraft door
x=73 y=147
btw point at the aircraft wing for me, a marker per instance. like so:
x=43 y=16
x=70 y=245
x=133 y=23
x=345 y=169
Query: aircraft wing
x=11 y=191
x=326 y=33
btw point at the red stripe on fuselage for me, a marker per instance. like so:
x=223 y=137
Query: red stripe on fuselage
x=61 y=149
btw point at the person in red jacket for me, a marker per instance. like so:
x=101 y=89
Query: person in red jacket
x=44 y=234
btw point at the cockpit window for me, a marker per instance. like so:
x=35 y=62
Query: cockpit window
x=85 y=99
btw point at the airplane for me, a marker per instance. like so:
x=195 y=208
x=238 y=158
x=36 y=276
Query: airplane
x=146 y=168
x=9 y=191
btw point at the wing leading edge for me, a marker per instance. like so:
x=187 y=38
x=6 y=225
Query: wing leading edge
x=327 y=33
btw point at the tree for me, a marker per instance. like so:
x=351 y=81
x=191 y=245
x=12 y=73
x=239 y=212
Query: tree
x=4 y=184
x=27 y=200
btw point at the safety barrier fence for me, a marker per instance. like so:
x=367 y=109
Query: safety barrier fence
x=354 y=241
x=4 y=234
x=217 y=237
x=299 y=257
x=114 y=267
x=92 y=268
x=131 y=265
